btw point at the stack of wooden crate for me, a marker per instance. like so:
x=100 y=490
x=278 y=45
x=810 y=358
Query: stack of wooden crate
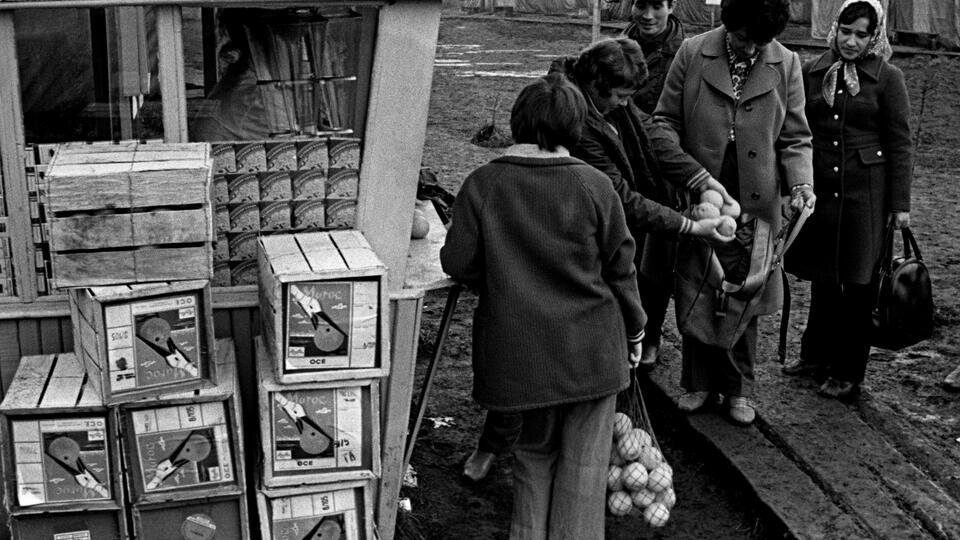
x=131 y=232
x=322 y=354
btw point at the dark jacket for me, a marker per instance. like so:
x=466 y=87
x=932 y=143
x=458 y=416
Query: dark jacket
x=862 y=159
x=659 y=53
x=544 y=242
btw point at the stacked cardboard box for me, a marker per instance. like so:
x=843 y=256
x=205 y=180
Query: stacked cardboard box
x=320 y=361
x=131 y=238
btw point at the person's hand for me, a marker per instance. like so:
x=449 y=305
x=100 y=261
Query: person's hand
x=707 y=229
x=635 y=347
x=900 y=219
x=802 y=195
x=715 y=185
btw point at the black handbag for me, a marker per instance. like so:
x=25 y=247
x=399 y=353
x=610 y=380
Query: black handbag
x=903 y=311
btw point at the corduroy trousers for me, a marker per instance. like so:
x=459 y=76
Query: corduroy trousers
x=560 y=471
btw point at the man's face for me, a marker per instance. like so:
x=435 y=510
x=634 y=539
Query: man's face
x=650 y=16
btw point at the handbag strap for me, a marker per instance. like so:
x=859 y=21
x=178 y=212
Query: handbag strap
x=910 y=247
x=784 y=318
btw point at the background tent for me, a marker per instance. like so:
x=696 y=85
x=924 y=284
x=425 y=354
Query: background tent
x=697 y=12
x=552 y=6
x=941 y=17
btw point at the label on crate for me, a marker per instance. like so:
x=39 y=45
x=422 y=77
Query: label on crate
x=330 y=514
x=74 y=535
x=331 y=324
x=315 y=430
x=61 y=460
x=185 y=446
x=153 y=342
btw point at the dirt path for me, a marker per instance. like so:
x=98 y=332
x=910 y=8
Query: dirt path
x=481 y=65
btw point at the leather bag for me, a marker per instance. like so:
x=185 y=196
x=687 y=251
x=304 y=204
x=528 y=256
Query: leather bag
x=713 y=310
x=903 y=310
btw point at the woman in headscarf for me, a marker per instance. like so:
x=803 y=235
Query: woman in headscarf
x=858 y=110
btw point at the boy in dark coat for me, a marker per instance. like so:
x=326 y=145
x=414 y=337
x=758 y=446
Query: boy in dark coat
x=542 y=237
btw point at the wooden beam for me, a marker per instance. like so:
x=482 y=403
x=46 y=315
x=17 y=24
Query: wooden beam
x=173 y=90
x=12 y=157
x=396 y=129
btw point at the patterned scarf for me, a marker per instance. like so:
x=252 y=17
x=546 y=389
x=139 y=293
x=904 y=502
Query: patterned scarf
x=739 y=71
x=878 y=46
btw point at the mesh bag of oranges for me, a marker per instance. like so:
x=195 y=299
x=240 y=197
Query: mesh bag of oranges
x=638 y=477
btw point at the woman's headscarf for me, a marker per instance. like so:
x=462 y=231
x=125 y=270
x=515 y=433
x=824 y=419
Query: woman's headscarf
x=879 y=45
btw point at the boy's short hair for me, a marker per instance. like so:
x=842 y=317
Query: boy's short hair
x=611 y=63
x=549 y=113
x=639 y=4
x=762 y=20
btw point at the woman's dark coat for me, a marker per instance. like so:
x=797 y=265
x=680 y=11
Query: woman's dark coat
x=862 y=162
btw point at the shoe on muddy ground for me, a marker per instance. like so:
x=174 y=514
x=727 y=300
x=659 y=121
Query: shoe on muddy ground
x=648 y=359
x=801 y=366
x=693 y=401
x=741 y=411
x=837 y=389
x=478 y=465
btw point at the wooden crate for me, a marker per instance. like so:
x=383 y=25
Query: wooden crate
x=86 y=525
x=143 y=340
x=186 y=445
x=323 y=307
x=60 y=450
x=129 y=213
x=342 y=510
x=318 y=432
x=199 y=519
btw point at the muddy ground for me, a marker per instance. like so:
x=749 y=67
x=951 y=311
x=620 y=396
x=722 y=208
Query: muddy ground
x=481 y=65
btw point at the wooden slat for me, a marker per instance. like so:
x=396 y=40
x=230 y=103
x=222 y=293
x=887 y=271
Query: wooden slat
x=361 y=258
x=11 y=162
x=172 y=84
x=397 y=393
x=28 y=331
x=9 y=353
x=66 y=334
x=62 y=392
x=88 y=192
x=78 y=157
x=83 y=269
x=50 y=336
x=126 y=230
x=284 y=254
x=27 y=386
x=321 y=253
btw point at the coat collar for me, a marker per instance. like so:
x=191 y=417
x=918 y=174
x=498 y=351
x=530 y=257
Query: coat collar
x=763 y=78
x=869 y=66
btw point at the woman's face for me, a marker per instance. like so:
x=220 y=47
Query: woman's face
x=618 y=98
x=650 y=16
x=853 y=38
x=743 y=46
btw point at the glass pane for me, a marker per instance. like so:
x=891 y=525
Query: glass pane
x=284 y=104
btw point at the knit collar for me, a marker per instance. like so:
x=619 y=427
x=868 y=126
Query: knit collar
x=527 y=150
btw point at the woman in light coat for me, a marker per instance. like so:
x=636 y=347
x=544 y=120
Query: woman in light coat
x=734 y=97
x=858 y=110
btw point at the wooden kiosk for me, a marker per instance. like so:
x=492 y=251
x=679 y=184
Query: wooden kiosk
x=109 y=70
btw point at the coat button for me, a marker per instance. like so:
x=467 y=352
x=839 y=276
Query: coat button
x=836 y=143
x=751 y=154
x=836 y=169
x=836 y=117
x=879 y=152
x=755 y=196
x=835 y=194
x=748 y=107
x=840 y=91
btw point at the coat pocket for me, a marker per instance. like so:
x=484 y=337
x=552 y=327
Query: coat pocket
x=872 y=156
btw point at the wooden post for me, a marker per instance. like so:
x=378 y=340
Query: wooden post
x=393 y=146
x=595 y=35
x=173 y=92
x=405 y=310
x=12 y=158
